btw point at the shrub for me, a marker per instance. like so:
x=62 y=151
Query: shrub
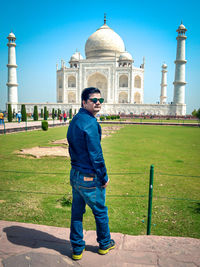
x=59 y=112
x=198 y=114
x=9 y=113
x=56 y=113
x=23 y=112
x=53 y=114
x=70 y=113
x=113 y=117
x=194 y=113
x=44 y=125
x=118 y=117
x=35 y=113
x=45 y=113
x=42 y=113
x=102 y=118
x=108 y=118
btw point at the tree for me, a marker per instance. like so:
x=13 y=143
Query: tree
x=59 y=112
x=53 y=114
x=9 y=113
x=23 y=112
x=45 y=113
x=56 y=113
x=35 y=113
x=70 y=114
x=198 y=114
x=42 y=113
x=194 y=113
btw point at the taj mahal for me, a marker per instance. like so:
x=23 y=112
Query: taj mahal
x=108 y=66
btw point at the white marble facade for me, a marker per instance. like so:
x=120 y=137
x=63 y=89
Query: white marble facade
x=109 y=67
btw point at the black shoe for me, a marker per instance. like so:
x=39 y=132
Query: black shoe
x=105 y=250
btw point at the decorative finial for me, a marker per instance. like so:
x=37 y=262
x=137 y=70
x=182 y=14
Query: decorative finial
x=181 y=22
x=104 y=18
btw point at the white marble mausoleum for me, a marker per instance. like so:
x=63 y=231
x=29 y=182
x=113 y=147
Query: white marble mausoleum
x=108 y=66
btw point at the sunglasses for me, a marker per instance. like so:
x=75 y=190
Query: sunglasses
x=94 y=100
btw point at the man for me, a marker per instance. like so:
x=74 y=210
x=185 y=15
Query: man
x=1 y=118
x=88 y=176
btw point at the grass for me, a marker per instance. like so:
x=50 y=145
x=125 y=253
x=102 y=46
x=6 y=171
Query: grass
x=38 y=191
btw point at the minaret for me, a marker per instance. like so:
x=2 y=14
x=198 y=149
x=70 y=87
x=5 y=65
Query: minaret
x=12 y=72
x=179 y=80
x=163 y=93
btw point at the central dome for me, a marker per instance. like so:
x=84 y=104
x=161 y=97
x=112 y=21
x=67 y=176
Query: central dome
x=104 y=43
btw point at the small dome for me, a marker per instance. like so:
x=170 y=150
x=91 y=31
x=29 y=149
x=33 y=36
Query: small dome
x=125 y=56
x=164 y=66
x=181 y=28
x=76 y=57
x=11 y=35
x=104 y=43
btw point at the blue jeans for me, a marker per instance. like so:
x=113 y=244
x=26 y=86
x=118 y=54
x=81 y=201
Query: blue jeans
x=86 y=189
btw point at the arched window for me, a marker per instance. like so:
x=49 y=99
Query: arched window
x=71 y=97
x=123 y=81
x=137 y=83
x=59 y=96
x=60 y=82
x=137 y=98
x=71 y=81
x=99 y=80
x=123 y=97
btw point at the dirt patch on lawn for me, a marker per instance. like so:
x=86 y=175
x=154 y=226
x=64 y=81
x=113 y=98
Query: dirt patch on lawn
x=60 y=142
x=62 y=149
x=38 y=152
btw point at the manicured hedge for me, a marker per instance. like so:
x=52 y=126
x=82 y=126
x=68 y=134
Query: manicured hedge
x=44 y=125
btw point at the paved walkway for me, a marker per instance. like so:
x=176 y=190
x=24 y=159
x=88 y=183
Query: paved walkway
x=30 y=125
x=31 y=245
x=35 y=125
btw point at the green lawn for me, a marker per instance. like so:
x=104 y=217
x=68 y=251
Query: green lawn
x=38 y=191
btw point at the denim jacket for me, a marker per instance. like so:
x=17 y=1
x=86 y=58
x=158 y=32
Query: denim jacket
x=84 y=138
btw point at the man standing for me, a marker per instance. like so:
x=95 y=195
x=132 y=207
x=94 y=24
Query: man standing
x=1 y=118
x=88 y=176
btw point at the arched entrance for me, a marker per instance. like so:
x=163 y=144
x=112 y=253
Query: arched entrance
x=71 y=97
x=123 y=97
x=137 y=98
x=99 y=80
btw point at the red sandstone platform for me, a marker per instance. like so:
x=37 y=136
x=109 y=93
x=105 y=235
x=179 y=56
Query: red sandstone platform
x=32 y=245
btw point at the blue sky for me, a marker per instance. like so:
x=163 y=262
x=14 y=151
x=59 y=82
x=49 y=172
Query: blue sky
x=48 y=31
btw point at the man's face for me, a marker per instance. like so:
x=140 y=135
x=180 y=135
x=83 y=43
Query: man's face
x=92 y=107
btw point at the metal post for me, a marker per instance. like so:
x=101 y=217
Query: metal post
x=150 y=200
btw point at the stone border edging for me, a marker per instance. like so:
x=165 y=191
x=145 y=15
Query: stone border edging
x=150 y=123
x=29 y=128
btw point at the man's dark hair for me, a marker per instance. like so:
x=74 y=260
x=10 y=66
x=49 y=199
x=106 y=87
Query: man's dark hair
x=86 y=93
